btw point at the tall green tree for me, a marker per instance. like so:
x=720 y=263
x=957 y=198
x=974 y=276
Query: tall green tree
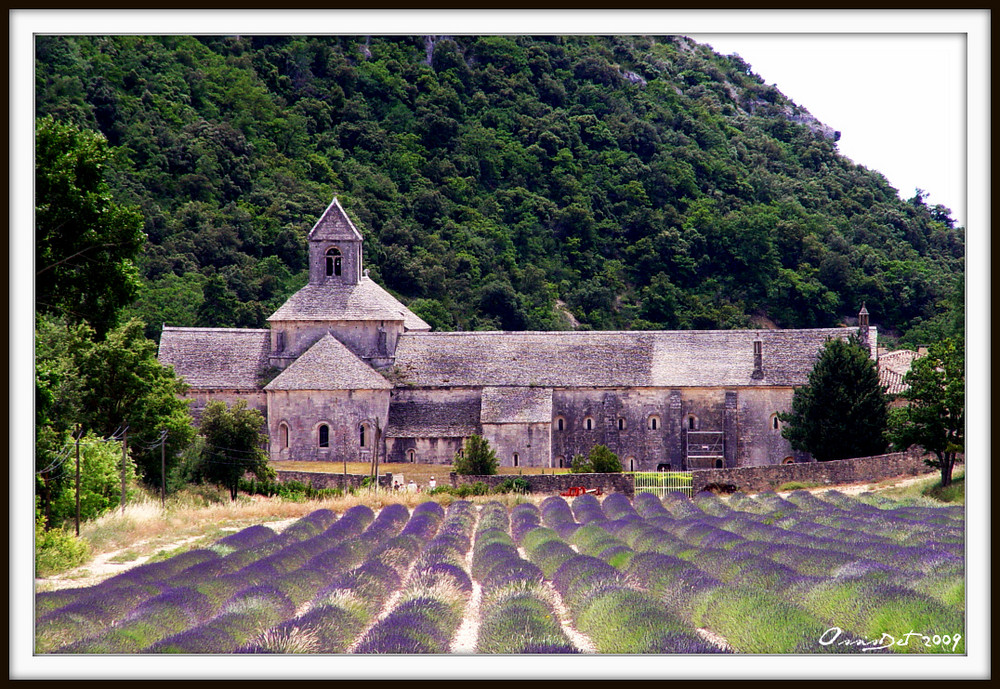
x=85 y=242
x=104 y=386
x=234 y=444
x=934 y=417
x=478 y=458
x=842 y=411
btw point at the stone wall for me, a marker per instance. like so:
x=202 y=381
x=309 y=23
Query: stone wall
x=556 y=483
x=764 y=478
x=318 y=480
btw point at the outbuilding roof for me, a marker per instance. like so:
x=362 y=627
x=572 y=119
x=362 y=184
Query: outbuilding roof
x=365 y=301
x=516 y=405
x=328 y=365
x=216 y=358
x=427 y=419
x=682 y=358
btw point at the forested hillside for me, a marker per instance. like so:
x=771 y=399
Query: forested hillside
x=500 y=182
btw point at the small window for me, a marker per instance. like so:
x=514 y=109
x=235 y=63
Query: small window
x=283 y=436
x=560 y=462
x=588 y=423
x=775 y=423
x=654 y=422
x=718 y=464
x=621 y=424
x=363 y=428
x=279 y=345
x=663 y=467
x=631 y=463
x=412 y=456
x=691 y=422
x=788 y=460
x=516 y=459
x=560 y=423
x=324 y=436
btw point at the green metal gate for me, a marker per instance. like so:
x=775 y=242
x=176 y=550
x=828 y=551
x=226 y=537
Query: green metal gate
x=659 y=483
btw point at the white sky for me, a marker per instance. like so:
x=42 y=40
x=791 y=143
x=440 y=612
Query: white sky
x=840 y=24
x=897 y=100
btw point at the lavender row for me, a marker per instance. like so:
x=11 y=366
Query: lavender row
x=433 y=601
x=342 y=610
x=618 y=617
x=517 y=614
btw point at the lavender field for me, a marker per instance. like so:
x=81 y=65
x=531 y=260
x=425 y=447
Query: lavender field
x=761 y=574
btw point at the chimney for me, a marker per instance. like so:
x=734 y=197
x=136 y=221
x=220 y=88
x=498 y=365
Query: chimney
x=863 y=326
x=758 y=360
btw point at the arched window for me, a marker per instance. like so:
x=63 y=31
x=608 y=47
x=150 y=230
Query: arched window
x=333 y=262
x=363 y=433
x=654 y=422
x=775 y=423
x=412 y=456
x=631 y=463
x=691 y=422
x=324 y=435
x=560 y=462
x=588 y=423
x=560 y=423
x=283 y=436
x=788 y=460
x=718 y=464
x=516 y=459
x=621 y=423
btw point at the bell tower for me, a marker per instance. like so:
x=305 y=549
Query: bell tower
x=334 y=249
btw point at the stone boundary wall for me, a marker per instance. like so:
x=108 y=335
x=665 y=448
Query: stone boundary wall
x=318 y=480
x=557 y=483
x=764 y=478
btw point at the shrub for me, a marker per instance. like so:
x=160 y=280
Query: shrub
x=478 y=458
x=57 y=550
x=604 y=461
x=581 y=465
x=513 y=485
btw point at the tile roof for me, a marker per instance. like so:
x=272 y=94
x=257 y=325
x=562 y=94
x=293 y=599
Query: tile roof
x=425 y=419
x=334 y=225
x=688 y=358
x=328 y=365
x=365 y=301
x=516 y=405
x=217 y=358
x=892 y=367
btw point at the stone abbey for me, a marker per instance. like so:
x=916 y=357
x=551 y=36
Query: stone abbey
x=358 y=373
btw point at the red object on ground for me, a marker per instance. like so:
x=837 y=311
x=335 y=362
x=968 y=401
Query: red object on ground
x=573 y=492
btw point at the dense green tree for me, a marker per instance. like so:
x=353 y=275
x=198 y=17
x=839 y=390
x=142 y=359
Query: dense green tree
x=100 y=481
x=934 y=417
x=104 y=386
x=234 y=444
x=604 y=461
x=477 y=459
x=85 y=242
x=642 y=182
x=842 y=410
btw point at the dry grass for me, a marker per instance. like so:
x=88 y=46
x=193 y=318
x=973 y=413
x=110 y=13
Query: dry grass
x=420 y=473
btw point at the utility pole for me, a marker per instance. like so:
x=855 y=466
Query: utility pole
x=163 y=469
x=124 y=459
x=78 y=434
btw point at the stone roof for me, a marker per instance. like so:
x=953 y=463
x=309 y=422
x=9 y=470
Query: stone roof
x=893 y=367
x=334 y=225
x=365 y=301
x=216 y=358
x=424 y=419
x=328 y=365
x=516 y=405
x=681 y=358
